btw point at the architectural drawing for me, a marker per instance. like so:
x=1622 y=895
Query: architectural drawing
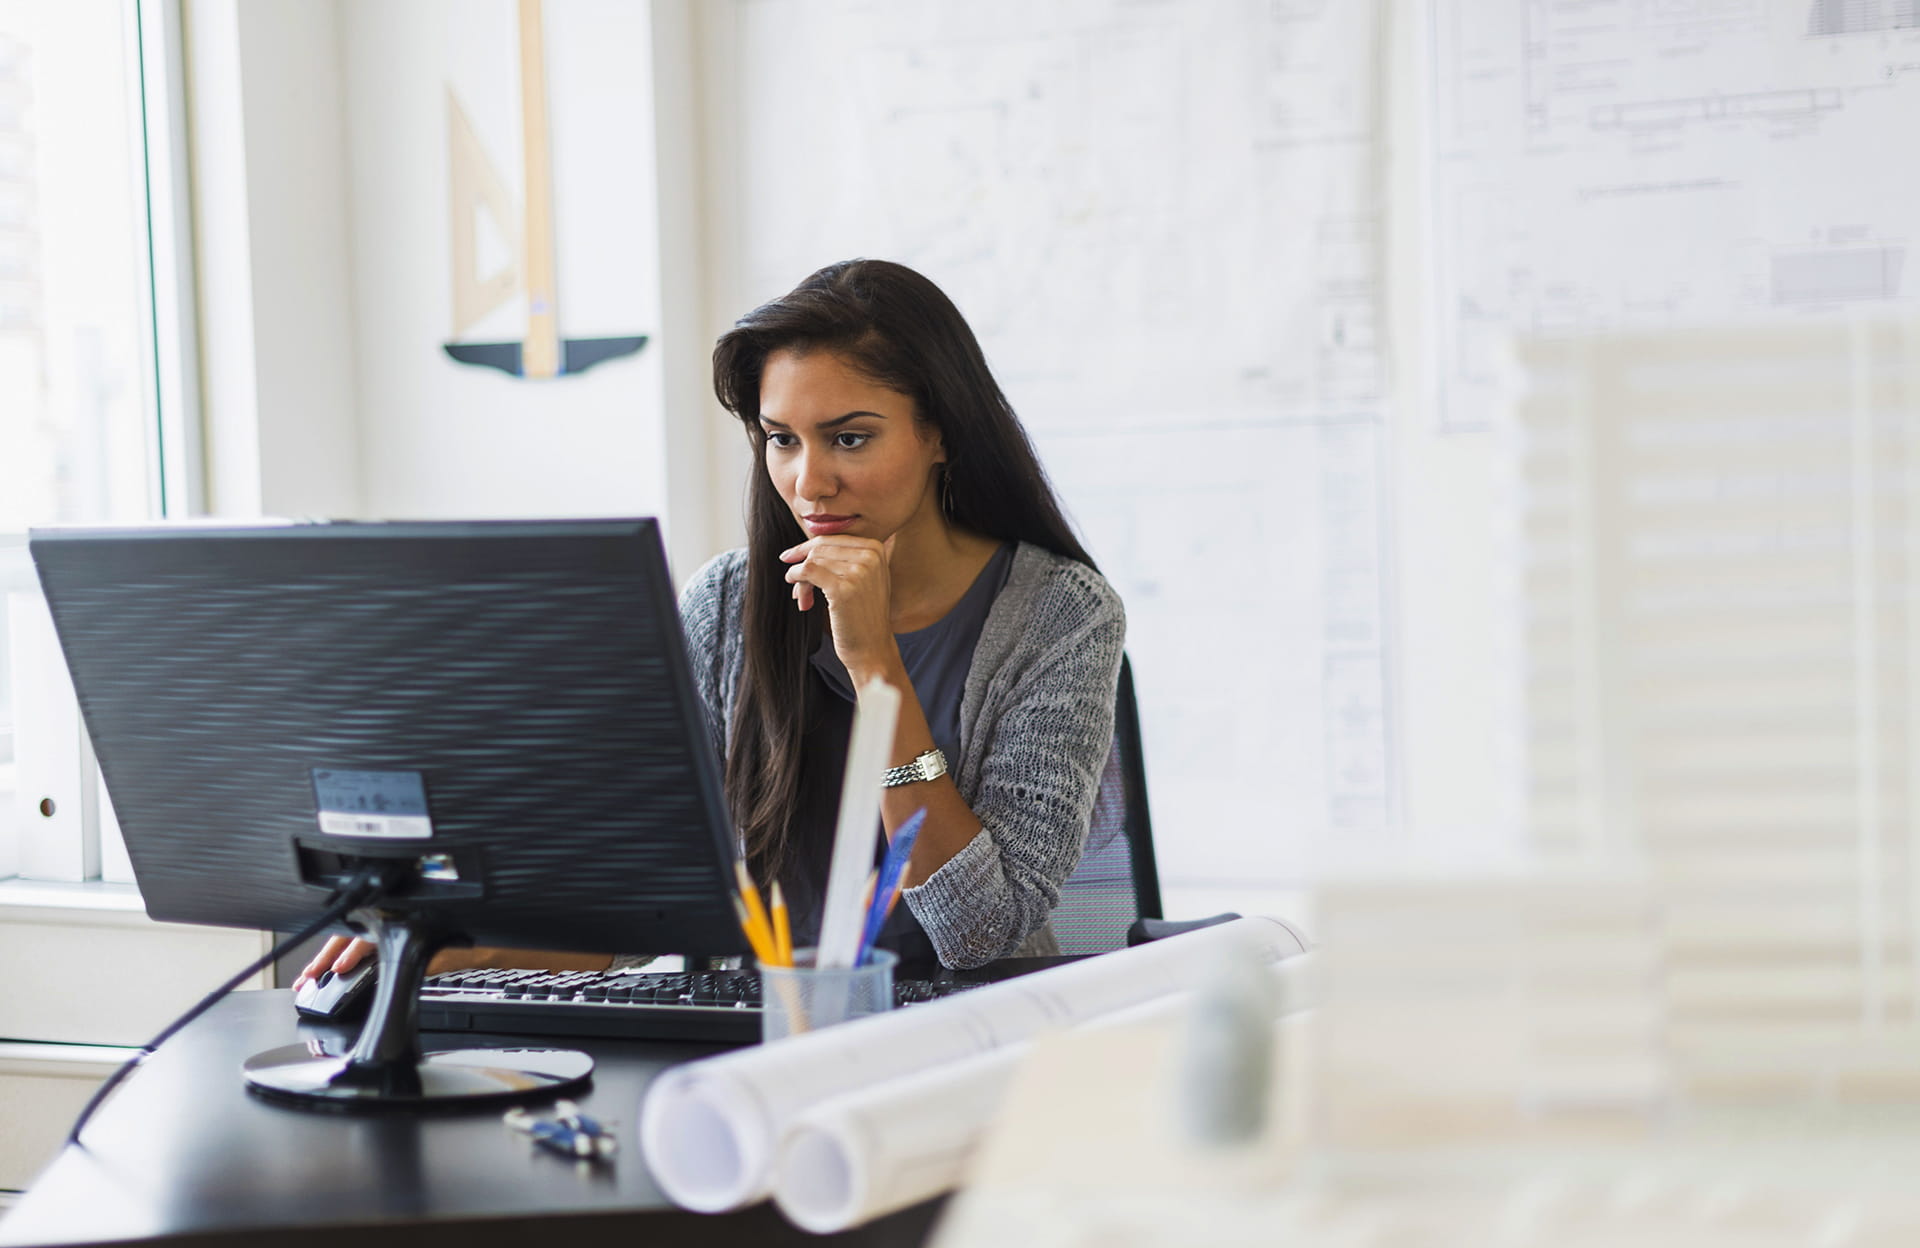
x=1179 y=289
x=1616 y=166
x=1853 y=17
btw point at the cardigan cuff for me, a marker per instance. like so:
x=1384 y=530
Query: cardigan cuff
x=947 y=903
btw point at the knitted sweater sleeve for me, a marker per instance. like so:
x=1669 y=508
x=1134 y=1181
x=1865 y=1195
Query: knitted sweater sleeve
x=1043 y=755
x=710 y=617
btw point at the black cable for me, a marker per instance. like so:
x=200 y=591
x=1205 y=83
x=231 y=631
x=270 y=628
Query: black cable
x=369 y=883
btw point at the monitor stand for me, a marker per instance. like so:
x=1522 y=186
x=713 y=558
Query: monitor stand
x=387 y=1069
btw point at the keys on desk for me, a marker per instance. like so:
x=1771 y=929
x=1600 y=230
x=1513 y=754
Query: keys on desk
x=569 y=1132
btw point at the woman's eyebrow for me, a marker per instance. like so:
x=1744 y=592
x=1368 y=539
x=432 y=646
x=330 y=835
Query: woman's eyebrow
x=835 y=423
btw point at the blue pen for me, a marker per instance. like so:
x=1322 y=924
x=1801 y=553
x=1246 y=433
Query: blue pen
x=891 y=869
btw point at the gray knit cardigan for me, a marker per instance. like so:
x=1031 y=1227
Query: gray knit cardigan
x=1036 y=725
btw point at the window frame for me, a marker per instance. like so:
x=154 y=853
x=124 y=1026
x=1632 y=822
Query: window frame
x=172 y=362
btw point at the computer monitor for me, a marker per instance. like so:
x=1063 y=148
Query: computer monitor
x=499 y=716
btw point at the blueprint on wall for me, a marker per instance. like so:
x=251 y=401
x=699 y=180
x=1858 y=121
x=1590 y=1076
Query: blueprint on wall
x=1161 y=219
x=1604 y=165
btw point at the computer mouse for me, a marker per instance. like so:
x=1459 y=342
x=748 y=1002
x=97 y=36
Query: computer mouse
x=336 y=997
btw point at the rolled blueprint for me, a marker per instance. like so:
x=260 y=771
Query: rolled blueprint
x=710 y=1129
x=859 y=1156
x=855 y=1157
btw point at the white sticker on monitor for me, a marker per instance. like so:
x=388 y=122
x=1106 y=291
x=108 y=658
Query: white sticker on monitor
x=390 y=805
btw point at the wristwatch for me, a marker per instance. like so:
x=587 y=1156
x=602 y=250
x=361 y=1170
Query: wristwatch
x=929 y=766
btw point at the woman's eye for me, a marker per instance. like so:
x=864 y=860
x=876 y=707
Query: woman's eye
x=850 y=441
x=775 y=438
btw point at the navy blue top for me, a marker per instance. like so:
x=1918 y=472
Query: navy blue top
x=937 y=658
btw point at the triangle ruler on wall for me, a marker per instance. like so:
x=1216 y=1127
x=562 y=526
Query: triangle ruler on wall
x=496 y=255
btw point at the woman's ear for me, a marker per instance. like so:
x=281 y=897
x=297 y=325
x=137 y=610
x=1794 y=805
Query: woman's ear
x=930 y=432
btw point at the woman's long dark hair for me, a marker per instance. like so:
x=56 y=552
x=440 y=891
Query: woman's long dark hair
x=899 y=330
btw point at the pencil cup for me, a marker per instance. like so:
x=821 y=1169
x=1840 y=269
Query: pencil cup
x=802 y=997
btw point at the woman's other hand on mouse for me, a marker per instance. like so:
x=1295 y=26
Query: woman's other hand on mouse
x=342 y=954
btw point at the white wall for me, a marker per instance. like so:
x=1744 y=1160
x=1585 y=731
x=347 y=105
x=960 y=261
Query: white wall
x=1454 y=621
x=703 y=446
x=274 y=258
x=321 y=205
x=443 y=439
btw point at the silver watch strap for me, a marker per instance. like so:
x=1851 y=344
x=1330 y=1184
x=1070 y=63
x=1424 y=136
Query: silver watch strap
x=928 y=766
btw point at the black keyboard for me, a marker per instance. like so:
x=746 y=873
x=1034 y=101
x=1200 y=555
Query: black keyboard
x=720 y=1007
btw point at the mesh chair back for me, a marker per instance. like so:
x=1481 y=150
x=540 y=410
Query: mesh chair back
x=1116 y=881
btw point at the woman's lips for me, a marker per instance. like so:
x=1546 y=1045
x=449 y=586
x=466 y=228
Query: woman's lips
x=824 y=524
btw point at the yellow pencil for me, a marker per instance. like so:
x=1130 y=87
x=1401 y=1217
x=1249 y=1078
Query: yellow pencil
x=756 y=913
x=761 y=949
x=782 y=931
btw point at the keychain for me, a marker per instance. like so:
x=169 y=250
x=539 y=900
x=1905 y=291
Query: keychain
x=569 y=1132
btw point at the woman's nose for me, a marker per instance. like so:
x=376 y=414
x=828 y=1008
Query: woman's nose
x=814 y=481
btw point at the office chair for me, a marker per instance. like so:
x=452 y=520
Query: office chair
x=1116 y=881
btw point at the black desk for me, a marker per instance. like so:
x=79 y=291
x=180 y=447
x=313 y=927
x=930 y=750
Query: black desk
x=183 y=1150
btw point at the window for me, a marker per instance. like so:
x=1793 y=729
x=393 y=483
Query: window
x=75 y=404
x=91 y=339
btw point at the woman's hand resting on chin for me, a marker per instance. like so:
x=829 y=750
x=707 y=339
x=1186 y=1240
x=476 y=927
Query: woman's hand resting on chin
x=854 y=575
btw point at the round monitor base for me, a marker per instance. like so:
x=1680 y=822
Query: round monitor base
x=450 y=1077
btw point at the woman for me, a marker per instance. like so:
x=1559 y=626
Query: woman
x=900 y=529
x=898 y=492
